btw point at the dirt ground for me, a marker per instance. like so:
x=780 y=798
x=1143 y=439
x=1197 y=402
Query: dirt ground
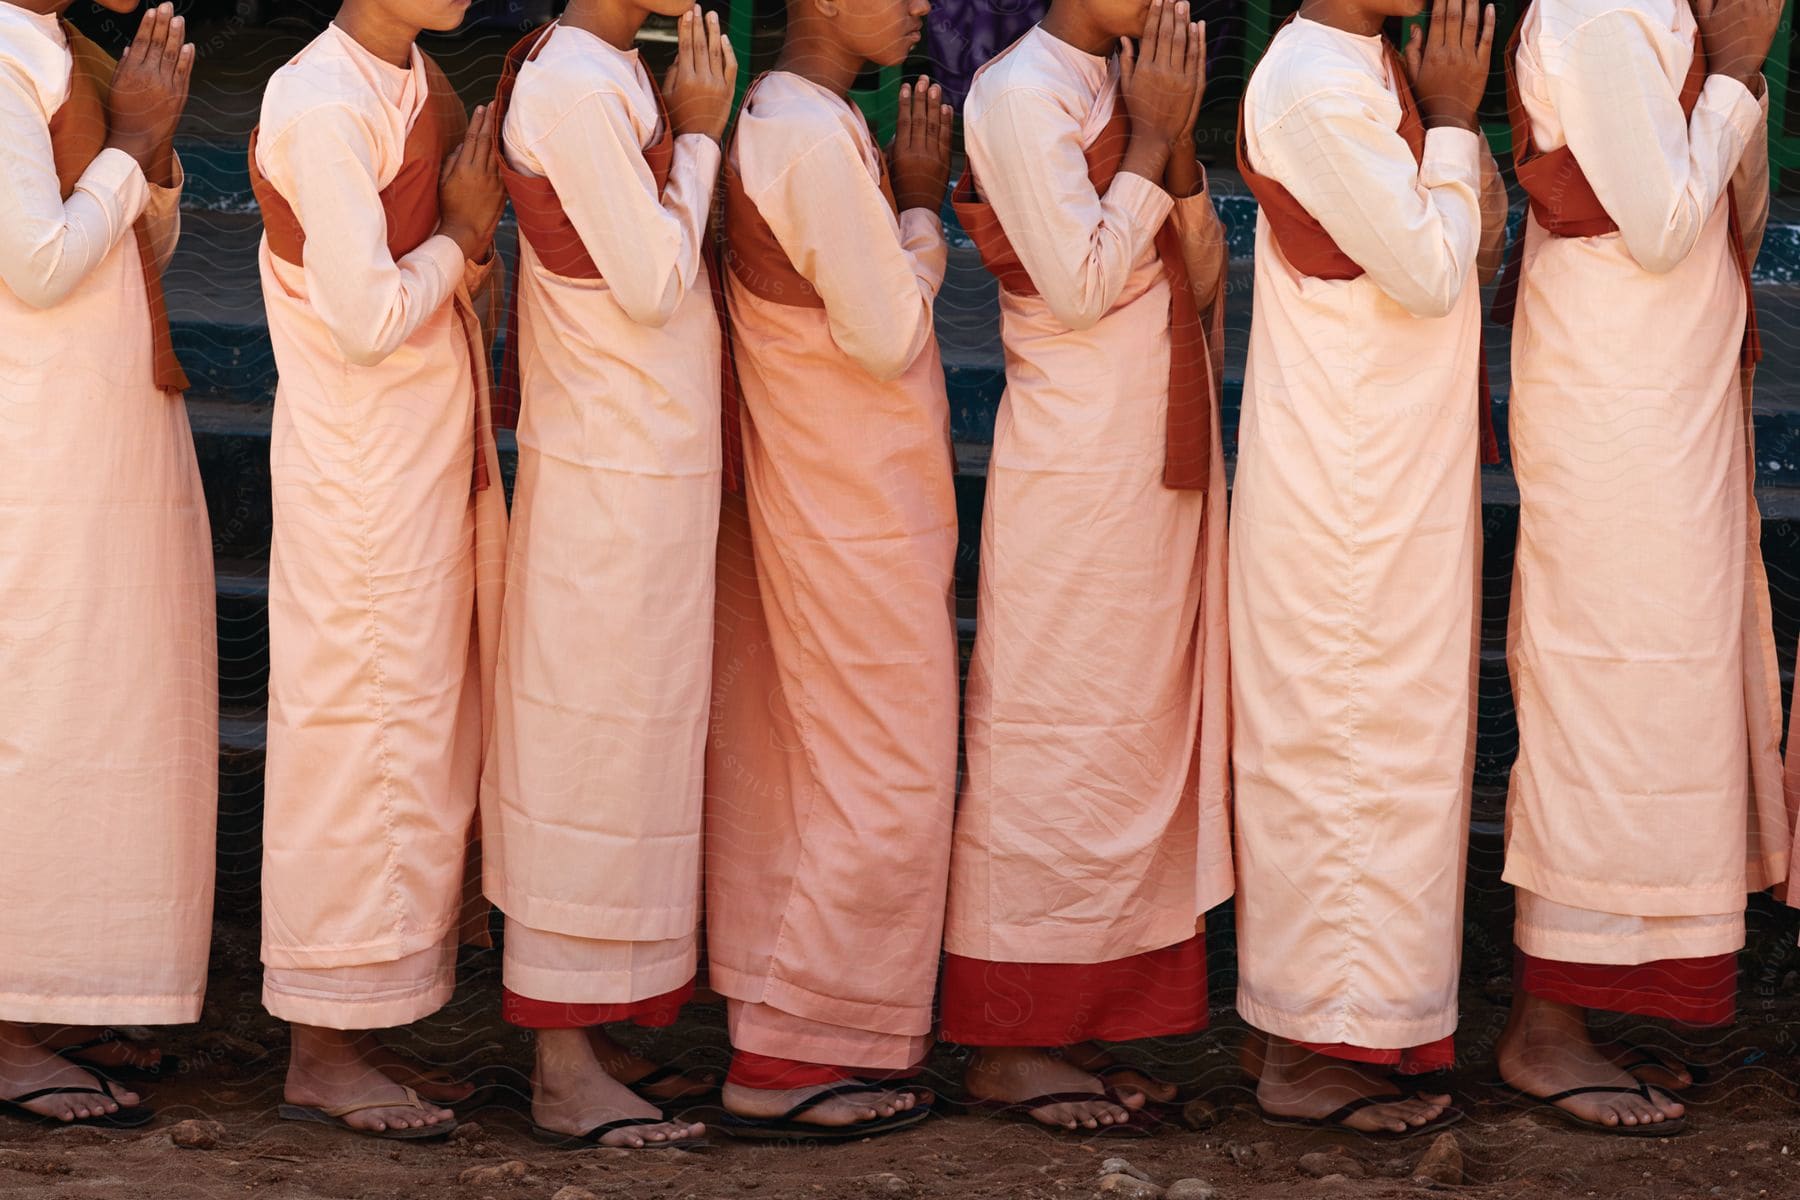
x=1745 y=1140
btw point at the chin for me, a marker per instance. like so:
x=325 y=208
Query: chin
x=670 y=8
x=448 y=16
x=123 y=7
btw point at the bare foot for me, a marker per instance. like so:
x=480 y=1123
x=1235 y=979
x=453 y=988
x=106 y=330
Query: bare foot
x=627 y=1067
x=1300 y=1083
x=572 y=1093
x=432 y=1083
x=327 y=1069
x=1547 y=1049
x=1015 y=1074
x=115 y=1050
x=1090 y=1056
x=26 y=1066
x=855 y=1109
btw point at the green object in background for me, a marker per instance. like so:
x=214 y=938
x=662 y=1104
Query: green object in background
x=880 y=104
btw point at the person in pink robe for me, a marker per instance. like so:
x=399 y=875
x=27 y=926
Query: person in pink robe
x=389 y=524
x=1355 y=549
x=1093 y=833
x=109 y=780
x=831 y=765
x=1647 y=797
x=591 y=806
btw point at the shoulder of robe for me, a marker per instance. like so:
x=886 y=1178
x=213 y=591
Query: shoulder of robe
x=567 y=73
x=1023 y=79
x=1559 y=19
x=40 y=65
x=794 y=117
x=310 y=84
x=1321 y=76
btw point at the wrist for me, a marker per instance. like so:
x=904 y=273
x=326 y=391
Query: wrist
x=1448 y=119
x=1147 y=156
x=466 y=238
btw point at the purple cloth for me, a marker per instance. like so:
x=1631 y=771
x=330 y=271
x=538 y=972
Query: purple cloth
x=963 y=34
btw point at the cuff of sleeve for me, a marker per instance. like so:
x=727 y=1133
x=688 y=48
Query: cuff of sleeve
x=447 y=256
x=174 y=186
x=915 y=222
x=1199 y=190
x=114 y=176
x=1451 y=151
x=1743 y=108
x=707 y=153
x=1146 y=204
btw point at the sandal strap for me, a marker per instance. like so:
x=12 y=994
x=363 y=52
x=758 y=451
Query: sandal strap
x=411 y=1101
x=1641 y=1089
x=1340 y=1115
x=42 y=1093
x=600 y=1131
x=850 y=1088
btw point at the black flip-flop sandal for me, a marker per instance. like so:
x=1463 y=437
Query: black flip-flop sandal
x=591 y=1139
x=335 y=1117
x=787 y=1127
x=1644 y=1056
x=1140 y=1124
x=1672 y=1127
x=709 y=1083
x=164 y=1068
x=126 y=1118
x=1337 y=1119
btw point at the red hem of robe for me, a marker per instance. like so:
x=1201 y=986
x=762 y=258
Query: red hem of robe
x=1158 y=993
x=654 y=1013
x=763 y=1073
x=1414 y=1060
x=1695 y=991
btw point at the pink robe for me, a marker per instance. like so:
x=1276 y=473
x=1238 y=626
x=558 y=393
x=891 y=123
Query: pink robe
x=592 y=802
x=1646 y=800
x=1355 y=544
x=109 y=714
x=832 y=760
x=1093 y=824
x=383 y=587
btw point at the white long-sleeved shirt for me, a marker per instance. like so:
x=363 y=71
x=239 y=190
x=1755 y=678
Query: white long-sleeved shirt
x=333 y=135
x=1604 y=77
x=48 y=245
x=581 y=114
x=801 y=151
x=1323 y=121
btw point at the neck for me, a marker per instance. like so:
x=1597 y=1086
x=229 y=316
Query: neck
x=812 y=52
x=1069 y=21
x=45 y=8
x=1346 y=15
x=615 y=22
x=371 y=26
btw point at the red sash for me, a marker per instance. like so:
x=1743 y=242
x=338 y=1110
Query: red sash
x=78 y=132
x=410 y=203
x=1187 y=456
x=1564 y=203
x=1312 y=251
x=545 y=224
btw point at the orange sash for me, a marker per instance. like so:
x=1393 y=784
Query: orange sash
x=78 y=133
x=410 y=203
x=1313 y=252
x=1564 y=203
x=545 y=224
x=1187 y=456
